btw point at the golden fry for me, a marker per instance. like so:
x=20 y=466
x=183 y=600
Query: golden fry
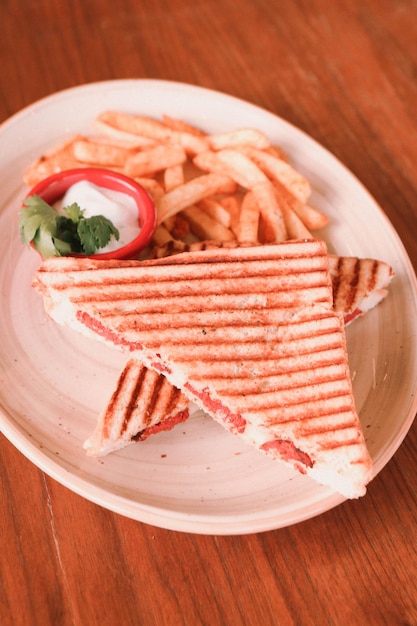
x=191 y=143
x=139 y=125
x=278 y=152
x=181 y=126
x=272 y=218
x=295 y=227
x=162 y=235
x=205 y=227
x=151 y=160
x=231 y=204
x=239 y=137
x=234 y=164
x=152 y=186
x=57 y=159
x=117 y=134
x=173 y=176
x=216 y=210
x=247 y=230
x=311 y=218
x=192 y=192
x=278 y=170
x=102 y=153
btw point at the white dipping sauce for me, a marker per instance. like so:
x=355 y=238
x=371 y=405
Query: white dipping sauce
x=118 y=207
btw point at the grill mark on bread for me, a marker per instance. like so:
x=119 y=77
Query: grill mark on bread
x=143 y=377
x=253 y=289
x=336 y=277
x=131 y=404
x=253 y=351
x=165 y=396
x=244 y=279
x=312 y=427
x=333 y=444
x=334 y=373
x=226 y=342
x=294 y=397
x=309 y=411
x=239 y=370
x=156 y=382
x=353 y=279
x=143 y=402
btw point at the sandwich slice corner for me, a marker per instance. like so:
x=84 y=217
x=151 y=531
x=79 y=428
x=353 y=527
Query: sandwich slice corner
x=142 y=403
x=358 y=284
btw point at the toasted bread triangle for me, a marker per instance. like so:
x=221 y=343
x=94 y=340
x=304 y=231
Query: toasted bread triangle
x=142 y=403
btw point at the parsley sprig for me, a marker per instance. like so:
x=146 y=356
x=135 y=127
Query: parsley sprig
x=60 y=234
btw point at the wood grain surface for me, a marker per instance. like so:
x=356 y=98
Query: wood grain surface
x=346 y=73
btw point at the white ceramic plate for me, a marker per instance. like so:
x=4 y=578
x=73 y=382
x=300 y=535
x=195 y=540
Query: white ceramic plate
x=196 y=478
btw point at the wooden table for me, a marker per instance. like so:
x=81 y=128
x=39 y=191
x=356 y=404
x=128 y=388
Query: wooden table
x=344 y=72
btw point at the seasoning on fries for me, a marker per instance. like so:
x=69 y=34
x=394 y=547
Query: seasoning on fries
x=222 y=187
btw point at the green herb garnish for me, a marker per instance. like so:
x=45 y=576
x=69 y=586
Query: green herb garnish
x=60 y=234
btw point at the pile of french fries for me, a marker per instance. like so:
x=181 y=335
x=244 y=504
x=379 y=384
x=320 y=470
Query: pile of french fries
x=231 y=186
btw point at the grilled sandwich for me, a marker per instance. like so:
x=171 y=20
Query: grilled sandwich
x=249 y=334
x=142 y=403
x=358 y=284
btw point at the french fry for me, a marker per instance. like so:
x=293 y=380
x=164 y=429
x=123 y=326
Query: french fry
x=239 y=137
x=152 y=186
x=242 y=170
x=208 y=161
x=139 y=125
x=311 y=217
x=191 y=143
x=153 y=129
x=274 y=229
x=205 y=227
x=295 y=227
x=232 y=204
x=173 y=176
x=168 y=248
x=192 y=192
x=169 y=223
x=247 y=230
x=162 y=235
x=151 y=160
x=57 y=159
x=234 y=164
x=117 y=134
x=181 y=126
x=278 y=170
x=216 y=210
x=278 y=152
x=103 y=153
